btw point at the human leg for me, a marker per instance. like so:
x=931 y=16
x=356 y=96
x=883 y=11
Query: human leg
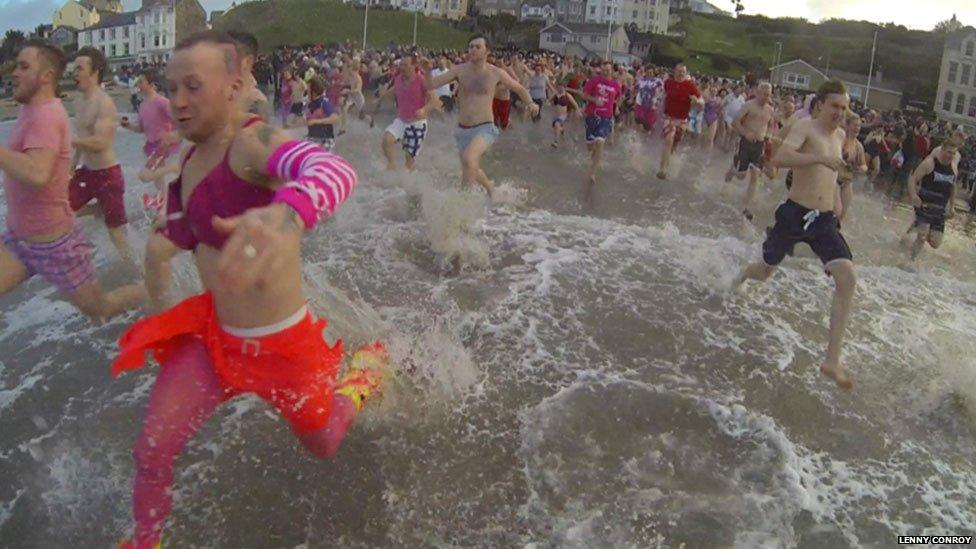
x=12 y=271
x=845 y=282
x=471 y=164
x=185 y=394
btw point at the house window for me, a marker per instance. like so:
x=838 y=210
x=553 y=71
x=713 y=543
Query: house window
x=112 y=49
x=594 y=39
x=947 y=101
x=797 y=80
x=101 y=35
x=142 y=41
x=126 y=32
x=964 y=77
x=111 y=33
x=125 y=48
x=592 y=10
x=164 y=39
x=960 y=103
x=953 y=68
x=972 y=107
x=156 y=40
x=634 y=16
x=970 y=46
x=156 y=17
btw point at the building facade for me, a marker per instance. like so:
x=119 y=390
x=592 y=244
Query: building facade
x=447 y=9
x=955 y=99
x=146 y=35
x=586 y=40
x=645 y=15
x=75 y=14
x=538 y=10
x=64 y=36
x=491 y=8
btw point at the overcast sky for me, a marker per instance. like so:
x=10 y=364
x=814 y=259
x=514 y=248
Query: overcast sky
x=27 y=14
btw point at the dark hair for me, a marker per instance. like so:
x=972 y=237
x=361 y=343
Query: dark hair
x=247 y=43
x=477 y=36
x=830 y=87
x=152 y=78
x=97 y=59
x=51 y=55
x=315 y=87
x=217 y=38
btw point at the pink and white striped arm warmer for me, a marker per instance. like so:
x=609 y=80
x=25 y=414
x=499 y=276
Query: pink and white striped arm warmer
x=316 y=181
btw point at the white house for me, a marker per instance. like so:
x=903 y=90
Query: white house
x=114 y=36
x=646 y=15
x=538 y=10
x=148 y=34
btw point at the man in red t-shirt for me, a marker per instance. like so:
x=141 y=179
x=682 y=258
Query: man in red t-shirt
x=678 y=93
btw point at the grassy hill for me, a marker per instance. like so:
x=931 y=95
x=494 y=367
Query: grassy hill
x=727 y=46
x=298 y=22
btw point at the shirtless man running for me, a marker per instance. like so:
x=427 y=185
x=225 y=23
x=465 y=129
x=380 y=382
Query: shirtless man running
x=752 y=124
x=476 y=87
x=813 y=150
x=100 y=176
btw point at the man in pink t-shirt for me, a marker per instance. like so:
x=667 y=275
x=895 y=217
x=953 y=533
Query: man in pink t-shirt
x=413 y=104
x=156 y=122
x=42 y=237
x=601 y=93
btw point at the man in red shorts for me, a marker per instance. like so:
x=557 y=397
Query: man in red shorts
x=679 y=92
x=100 y=176
x=42 y=237
x=501 y=105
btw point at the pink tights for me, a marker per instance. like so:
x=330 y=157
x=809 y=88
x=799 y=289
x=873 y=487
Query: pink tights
x=185 y=394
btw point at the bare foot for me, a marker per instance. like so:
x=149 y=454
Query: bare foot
x=662 y=175
x=836 y=372
x=728 y=176
x=593 y=178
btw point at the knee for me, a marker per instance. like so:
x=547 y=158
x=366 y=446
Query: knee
x=844 y=276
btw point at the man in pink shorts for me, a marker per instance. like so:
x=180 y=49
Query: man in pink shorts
x=42 y=237
x=100 y=175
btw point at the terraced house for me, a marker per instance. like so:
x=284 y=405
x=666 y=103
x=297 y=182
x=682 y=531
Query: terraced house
x=955 y=100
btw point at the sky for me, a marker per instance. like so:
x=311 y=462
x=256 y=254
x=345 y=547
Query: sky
x=27 y=14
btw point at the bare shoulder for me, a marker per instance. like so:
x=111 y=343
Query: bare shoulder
x=261 y=137
x=107 y=105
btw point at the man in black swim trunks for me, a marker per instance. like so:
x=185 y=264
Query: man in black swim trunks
x=752 y=124
x=813 y=149
x=932 y=190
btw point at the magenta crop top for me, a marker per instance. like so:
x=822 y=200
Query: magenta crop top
x=221 y=192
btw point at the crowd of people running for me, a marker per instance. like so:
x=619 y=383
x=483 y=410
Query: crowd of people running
x=242 y=192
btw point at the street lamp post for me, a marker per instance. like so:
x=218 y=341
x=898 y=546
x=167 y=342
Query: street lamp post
x=867 y=92
x=365 y=22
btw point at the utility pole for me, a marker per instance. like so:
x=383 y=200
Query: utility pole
x=874 y=45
